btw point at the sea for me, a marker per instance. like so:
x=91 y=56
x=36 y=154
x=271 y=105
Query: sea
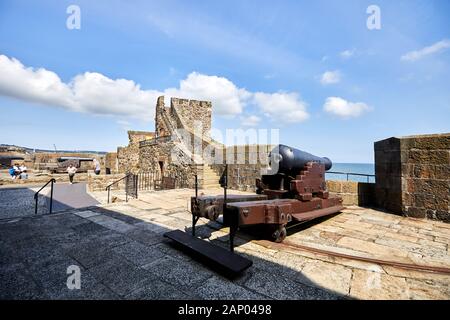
x=358 y=168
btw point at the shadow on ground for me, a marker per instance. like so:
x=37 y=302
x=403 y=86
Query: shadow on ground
x=123 y=257
x=20 y=201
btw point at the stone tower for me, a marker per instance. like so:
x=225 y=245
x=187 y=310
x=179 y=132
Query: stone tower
x=161 y=129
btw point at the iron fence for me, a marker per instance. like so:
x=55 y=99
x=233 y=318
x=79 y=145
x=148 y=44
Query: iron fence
x=347 y=174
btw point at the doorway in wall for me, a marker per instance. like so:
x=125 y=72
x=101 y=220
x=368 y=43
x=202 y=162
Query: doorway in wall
x=161 y=167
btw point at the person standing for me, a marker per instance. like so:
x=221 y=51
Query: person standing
x=71 y=170
x=12 y=173
x=23 y=172
x=16 y=171
x=96 y=167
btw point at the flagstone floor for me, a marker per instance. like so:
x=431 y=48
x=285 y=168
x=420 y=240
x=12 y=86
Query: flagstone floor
x=122 y=254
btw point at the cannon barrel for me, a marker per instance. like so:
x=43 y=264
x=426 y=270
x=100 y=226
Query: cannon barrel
x=292 y=161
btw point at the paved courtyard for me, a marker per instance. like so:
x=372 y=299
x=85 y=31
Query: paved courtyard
x=122 y=254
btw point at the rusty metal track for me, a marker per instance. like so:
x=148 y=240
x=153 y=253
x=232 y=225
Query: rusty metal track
x=401 y=265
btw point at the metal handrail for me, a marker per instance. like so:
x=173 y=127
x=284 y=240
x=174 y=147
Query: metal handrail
x=353 y=174
x=36 y=195
x=108 y=188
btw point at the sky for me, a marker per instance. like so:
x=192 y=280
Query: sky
x=332 y=76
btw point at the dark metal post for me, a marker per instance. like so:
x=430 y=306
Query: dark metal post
x=136 y=183
x=51 y=195
x=196 y=186
x=233 y=224
x=109 y=189
x=194 y=218
x=126 y=189
x=36 y=205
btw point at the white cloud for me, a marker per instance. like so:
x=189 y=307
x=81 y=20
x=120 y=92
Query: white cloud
x=347 y=53
x=419 y=54
x=227 y=99
x=94 y=93
x=343 y=108
x=88 y=92
x=282 y=106
x=250 y=121
x=330 y=77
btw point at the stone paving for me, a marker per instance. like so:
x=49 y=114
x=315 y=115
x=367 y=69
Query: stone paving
x=19 y=201
x=122 y=255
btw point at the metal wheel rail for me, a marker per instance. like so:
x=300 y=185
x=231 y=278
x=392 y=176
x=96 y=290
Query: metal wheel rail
x=36 y=195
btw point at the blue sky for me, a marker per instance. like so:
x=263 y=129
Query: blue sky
x=309 y=68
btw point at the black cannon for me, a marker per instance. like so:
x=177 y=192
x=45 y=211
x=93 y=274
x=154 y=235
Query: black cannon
x=293 y=190
x=288 y=160
x=285 y=163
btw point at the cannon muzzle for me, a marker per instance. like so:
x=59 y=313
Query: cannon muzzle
x=288 y=160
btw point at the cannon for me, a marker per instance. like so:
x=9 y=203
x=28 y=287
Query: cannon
x=292 y=190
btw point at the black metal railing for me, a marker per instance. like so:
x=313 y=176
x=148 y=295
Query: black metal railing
x=36 y=196
x=108 y=188
x=347 y=174
x=153 y=180
x=149 y=180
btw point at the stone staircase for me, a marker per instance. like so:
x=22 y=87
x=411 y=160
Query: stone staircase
x=210 y=179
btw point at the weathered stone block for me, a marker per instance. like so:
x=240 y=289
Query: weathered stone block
x=434 y=142
x=349 y=199
x=429 y=156
x=425 y=175
x=416 y=212
x=350 y=187
x=334 y=186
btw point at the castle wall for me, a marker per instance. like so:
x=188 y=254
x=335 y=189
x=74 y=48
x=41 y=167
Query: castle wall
x=156 y=157
x=190 y=111
x=111 y=163
x=244 y=165
x=128 y=157
x=413 y=176
x=353 y=193
x=161 y=129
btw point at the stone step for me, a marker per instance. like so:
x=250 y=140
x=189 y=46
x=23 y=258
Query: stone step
x=215 y=181
x=211 y=177
x=210 y=186
x=210 y=183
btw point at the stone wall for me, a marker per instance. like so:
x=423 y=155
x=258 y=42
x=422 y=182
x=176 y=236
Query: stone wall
x=111 y=162
x=128 y=157
x=40 y=159
x=189 y=111
x=134 y=137
x=413 y=176
x=42 y=179
x=157 y=158
x=101 y=181
x=353 y=193
x=161 y=129
x=245 y=163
